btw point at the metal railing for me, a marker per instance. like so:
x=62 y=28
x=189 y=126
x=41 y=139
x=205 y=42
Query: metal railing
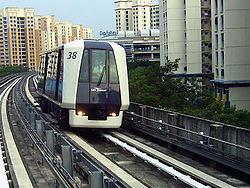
x=224 y=141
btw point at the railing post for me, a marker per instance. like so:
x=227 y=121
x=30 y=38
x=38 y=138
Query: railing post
x=143 y=113
x=32 y=120
x=67 y=159
x=95 y=179
x=50 y=140
x=217 y=132
x=39 y=129
x=172 y=120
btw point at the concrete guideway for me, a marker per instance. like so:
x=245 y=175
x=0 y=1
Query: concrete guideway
x=175 y=163
x=115 y=170
x=3 y=176
x=21 y=174
x=27 y=91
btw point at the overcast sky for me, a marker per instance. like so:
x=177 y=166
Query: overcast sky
x=97 y=14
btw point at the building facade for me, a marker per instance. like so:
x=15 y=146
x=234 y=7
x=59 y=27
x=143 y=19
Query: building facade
x=77 y=32
x=38 y=36
x=231 y=47
x=63 y=33
x=186 y=35
x=48 y=34
x=142 y=47
x=123 y=12
x=136 y=15
x=23 y=35
x=17 y=37
x=87 y=33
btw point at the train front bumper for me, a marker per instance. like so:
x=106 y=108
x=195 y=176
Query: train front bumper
x=83 y=122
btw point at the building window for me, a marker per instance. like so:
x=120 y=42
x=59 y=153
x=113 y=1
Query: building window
x=222 y=5
x=222 y=40
x=222 y=58
x=216 y=41
x=216 y=23
x=216 y=6
x=216 y=59
x=222 y=22
x=222 y=73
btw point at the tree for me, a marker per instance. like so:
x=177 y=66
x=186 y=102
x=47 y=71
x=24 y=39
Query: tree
x=155 y=85
x=8 y=69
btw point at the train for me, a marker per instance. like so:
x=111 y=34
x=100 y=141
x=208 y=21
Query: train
x=84 y=84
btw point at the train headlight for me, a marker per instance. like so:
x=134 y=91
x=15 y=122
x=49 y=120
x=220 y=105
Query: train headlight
x=113 y=114
x=80 y=113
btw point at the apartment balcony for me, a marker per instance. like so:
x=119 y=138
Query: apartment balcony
x=142 y=51
x=147 y=57
x=205 y=4
x=206 y=14
x=206 y=49
x=207 y=60
x=206 y=37
x=205 y=26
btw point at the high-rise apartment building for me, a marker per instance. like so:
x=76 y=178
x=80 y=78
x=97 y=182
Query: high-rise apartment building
x=66 y=33
x=186 y=35
x=77 y=32
x=24 y=35
x=231 y=47
x=136 y=15
x=63 y=32
x=155 y=18
x=141 y=15
x=17 y=37
x=38 y=45
x=123 y=12
x=48 y=34
x=87 y=33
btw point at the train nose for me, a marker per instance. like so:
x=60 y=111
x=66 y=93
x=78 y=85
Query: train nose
x=100 y=113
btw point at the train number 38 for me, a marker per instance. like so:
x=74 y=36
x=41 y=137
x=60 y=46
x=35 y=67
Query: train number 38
x=72 y=55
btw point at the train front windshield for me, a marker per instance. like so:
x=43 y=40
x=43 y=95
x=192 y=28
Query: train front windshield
x=98 y=67
x=99 y=83
x=98 y=63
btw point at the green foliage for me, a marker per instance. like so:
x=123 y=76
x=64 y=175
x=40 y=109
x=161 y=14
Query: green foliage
x=8 y=69
x=215 y=112
x=155 y=85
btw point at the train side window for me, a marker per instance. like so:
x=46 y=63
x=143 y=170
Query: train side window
x=84 y=73
x=61 y=65
x=113 y=69
x=98 y=66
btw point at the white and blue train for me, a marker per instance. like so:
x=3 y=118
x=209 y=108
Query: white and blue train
x=84 y=84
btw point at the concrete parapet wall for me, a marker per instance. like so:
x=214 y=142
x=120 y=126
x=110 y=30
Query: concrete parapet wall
x=213 y=135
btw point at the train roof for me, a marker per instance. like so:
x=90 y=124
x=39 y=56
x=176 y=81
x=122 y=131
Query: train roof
x=93 y=43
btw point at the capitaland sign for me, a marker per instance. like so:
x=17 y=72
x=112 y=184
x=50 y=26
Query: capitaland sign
x=107 y=33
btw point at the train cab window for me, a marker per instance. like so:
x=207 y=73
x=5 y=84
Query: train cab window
x=98 y=68
x=84 y=73
x=113 y=69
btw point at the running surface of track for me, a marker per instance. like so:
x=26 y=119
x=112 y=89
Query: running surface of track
x=17 y=167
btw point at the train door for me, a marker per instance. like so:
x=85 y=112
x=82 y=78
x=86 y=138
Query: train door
x=113 y=81
x=98 y=77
